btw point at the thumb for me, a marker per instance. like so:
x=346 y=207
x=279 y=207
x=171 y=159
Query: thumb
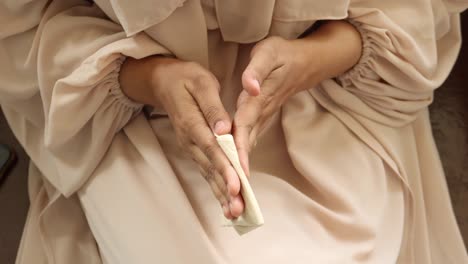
x=262 y=63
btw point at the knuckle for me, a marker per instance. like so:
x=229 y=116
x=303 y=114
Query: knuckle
x=212 y=113
x=204 y=174
x=188 y=124
x=265 y=47
x=204 y=81
x=199 y=82
x=264 y=98
x=243 y=144
x=180 y=143
x=210 y=171
x=210 y=148
x=191 y=149
x=181 y=139
x=270 y=47
x=274 y=42
x=193 y=69
x=222 y=187
x=245 y=126
x=259 y=46
x=217 y=194
x=185 y=126
x=245 y=148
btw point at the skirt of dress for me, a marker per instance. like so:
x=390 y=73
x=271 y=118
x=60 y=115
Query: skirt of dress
x=326 y=198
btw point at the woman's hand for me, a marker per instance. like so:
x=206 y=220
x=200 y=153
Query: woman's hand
x=276 y=71
x=190 y=95
x=280 y=68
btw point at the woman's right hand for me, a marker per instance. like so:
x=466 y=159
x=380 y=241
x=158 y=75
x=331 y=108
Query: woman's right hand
x=189 y=94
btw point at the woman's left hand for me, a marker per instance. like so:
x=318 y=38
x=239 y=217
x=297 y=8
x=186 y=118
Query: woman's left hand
x=278 y=69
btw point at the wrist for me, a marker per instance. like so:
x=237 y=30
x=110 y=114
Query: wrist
x=331 y=50
x=134 y=78
x=142 y=80
x=159 y=77
x=309 y=60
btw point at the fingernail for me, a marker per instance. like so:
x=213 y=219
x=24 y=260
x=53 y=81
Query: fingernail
x=219 y=126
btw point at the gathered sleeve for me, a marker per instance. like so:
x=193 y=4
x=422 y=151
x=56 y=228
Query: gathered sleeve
x=409 y=48
x=60 y=76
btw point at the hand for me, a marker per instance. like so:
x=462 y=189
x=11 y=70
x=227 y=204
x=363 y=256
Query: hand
x=280 y=68
x=190 y=95
x=276 y=71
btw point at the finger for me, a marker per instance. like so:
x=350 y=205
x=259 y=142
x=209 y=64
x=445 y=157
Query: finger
x=207 y=145
x=216 y=191
x=233 y=207
x=227 y=212
x=241 y=138
x=246 y=117
x=205 y=91
x=262 y=63
x=236 y=206
x=209 y=172
x=225 y=205
x=233 y=182
x=217 y=184
x=263 y=121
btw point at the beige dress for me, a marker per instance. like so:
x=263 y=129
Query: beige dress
x=347 y=172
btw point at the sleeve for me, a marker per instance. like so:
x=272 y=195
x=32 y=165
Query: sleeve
x=60 y=75
x=409 y=48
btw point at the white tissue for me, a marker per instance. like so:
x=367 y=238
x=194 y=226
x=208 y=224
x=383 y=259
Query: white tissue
x=252 y=217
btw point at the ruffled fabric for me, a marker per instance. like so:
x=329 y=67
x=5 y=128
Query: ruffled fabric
x=69 y=110
x=11 y=21
x=71 y=120
x=401 y=63
x=71 y=105
x=362 y=67
x=116 y=92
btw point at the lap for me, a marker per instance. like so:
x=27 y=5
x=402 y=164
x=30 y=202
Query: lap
x=159 y=208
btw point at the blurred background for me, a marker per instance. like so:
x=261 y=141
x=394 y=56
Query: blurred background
x=449 y=114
